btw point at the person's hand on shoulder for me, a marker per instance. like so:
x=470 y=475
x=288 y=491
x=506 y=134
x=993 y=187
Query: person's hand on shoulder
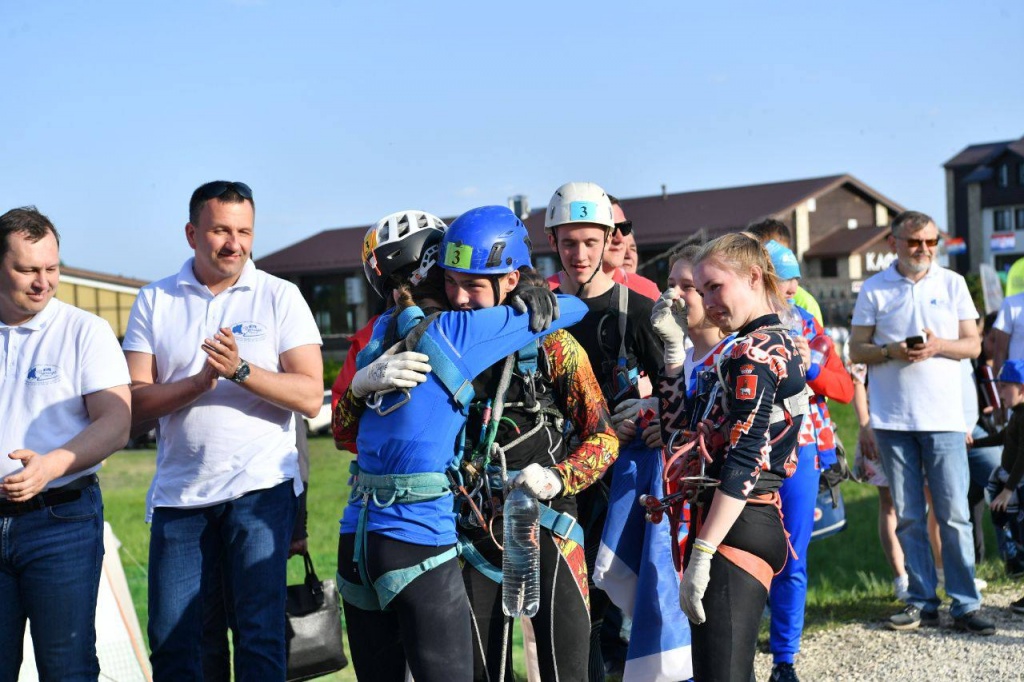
x=392 y=370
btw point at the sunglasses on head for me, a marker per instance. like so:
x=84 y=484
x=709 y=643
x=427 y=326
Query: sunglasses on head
x=218 y=188
x=918 y=243
x=625 y=227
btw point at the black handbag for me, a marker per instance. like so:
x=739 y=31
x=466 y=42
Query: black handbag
x=313 y=628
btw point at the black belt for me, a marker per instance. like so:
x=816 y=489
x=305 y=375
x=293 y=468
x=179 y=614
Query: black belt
x=48 y=498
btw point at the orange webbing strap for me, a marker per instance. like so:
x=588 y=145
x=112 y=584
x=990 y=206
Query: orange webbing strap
x=750 y=563
x=760 y=569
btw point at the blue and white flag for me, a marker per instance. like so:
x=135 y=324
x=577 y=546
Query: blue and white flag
x=634 y=566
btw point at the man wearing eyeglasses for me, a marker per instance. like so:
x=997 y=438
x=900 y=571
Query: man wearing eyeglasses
x=222 y=354
x=912 y=325
x=615 y=256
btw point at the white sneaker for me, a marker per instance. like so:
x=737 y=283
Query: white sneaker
x=901 y=587
x=980 y=584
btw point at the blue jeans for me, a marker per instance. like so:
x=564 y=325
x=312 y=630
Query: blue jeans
x=50 y=563
x=982 y=461
x=244 y=540
x=942 y=458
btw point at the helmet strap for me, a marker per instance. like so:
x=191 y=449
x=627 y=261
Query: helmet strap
x=600 y=266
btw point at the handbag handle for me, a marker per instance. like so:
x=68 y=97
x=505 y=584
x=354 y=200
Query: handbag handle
x=312 y=581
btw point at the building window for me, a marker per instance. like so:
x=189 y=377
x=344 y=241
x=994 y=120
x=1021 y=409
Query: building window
x=1020 y=174
x=1020 y=218
x=829 y=267
x=338 y=303
x=1004 y=175
x=1001 y=219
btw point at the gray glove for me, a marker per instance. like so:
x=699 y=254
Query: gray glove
x=540 y=302
x=668 y=317
x=392 y=370
x=696 y=576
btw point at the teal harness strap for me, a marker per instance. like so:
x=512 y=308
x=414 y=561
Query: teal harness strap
x=385 y=491
x=475 y=559
x=526 y=358
x=563 y=525
x=455 y=380
x=391 y=583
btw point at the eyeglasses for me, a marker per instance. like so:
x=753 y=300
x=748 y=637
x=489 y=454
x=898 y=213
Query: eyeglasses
x=625 y=227
x=218 y=188
x=918 y=243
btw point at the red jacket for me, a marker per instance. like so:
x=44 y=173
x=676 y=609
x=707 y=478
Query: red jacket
x=348 y=370
x=637 y=283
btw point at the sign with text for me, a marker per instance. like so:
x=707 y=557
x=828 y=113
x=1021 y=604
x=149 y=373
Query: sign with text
x=876 y=262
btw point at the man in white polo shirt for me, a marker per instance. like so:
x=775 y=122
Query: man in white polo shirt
x=65 y=407
x=912 y=325
x=222 y=354
x=1008 y=332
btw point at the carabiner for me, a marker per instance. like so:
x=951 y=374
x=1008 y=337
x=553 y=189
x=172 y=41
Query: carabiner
x=374 y=401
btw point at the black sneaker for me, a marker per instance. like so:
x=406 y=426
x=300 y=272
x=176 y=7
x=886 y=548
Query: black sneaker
x=912 y=617
x=783 y=672
x=1015 y=567
x=974 y=624
x=1018 y=606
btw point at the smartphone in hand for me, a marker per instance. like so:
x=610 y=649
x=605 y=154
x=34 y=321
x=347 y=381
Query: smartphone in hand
x=913 y=341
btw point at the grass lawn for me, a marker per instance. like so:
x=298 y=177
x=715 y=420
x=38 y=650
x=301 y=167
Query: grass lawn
x=849 y=580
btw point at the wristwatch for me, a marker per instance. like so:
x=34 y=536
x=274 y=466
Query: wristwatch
x=242 y=373
x=885 y=350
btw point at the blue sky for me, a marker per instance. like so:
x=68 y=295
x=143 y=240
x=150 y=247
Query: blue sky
x=338 y=113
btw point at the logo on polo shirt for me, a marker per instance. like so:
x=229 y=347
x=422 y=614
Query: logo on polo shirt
x=43 y=374
x=249 y=331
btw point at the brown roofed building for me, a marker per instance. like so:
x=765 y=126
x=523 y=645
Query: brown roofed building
x=824 y=211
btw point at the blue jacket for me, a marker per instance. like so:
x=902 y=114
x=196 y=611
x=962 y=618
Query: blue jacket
x=420 y=436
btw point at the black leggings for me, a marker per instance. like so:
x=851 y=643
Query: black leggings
x=561 y=626
x=593 y=512
x=427 y=625
x=723 y=646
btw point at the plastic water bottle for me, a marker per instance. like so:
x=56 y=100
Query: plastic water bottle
x=821 y=349
x=520 y=564
x=791 y=318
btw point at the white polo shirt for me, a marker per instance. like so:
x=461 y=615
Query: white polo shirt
x=1011 y=320
x=229 y=441
x=47 y=365
x=923 y=396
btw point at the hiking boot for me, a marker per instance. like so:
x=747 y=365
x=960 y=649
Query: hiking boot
x=783 y=672
x=912 y=617
x=974 y=624
x=1018 y=606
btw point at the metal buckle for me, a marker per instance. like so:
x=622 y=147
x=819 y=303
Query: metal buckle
x=375 y=400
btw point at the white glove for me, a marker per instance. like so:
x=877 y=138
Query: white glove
x=695 y=580
x=539 y=481
x=668 y=317
x=390 y=371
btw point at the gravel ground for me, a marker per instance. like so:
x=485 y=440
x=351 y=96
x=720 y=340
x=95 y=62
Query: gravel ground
x=868 y=651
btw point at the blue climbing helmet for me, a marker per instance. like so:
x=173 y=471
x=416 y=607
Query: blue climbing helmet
x=489 y=240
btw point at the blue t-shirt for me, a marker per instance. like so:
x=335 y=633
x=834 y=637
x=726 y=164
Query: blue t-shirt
x=420 y=436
